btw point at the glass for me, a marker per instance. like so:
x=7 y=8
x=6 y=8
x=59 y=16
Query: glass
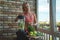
x=58 y=15
x=43 y=14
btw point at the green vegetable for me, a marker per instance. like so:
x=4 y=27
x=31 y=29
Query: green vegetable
x=31 y=28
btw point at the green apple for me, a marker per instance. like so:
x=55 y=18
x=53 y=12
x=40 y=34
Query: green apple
x=35 y=32
x=34 y=35
x=31 y=33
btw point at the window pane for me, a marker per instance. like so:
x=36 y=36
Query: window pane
x=58 y=14
x=43 y=14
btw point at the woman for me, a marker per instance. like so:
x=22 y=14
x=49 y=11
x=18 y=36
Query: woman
x=30 y=18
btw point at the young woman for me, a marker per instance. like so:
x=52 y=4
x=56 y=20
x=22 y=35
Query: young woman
x=30 y=18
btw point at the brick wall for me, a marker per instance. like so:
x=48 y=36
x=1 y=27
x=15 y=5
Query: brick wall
x=9 y=9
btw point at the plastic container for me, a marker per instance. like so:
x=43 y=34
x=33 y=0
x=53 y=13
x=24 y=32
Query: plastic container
x=21 y=22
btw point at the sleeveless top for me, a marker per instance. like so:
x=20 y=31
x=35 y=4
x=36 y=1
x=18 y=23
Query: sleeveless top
x=29 y=18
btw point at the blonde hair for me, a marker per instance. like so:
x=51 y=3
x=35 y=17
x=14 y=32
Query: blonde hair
x=24 y=3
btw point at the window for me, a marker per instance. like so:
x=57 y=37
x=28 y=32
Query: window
x=58 y=14
x=43 y=14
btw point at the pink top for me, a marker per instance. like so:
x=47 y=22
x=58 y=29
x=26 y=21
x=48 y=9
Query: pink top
x=29 y=18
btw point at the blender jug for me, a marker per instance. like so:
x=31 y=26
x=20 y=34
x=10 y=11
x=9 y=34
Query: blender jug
x=21 y=22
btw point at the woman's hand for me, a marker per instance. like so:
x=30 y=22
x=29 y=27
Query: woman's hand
x=33 y=24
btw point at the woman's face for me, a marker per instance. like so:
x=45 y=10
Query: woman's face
x=26 y=7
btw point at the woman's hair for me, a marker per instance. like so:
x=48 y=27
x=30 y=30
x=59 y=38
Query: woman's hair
x=24 y=3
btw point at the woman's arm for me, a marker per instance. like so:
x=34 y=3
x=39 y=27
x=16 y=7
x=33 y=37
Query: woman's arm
x=35 y=19
x=35 y=22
